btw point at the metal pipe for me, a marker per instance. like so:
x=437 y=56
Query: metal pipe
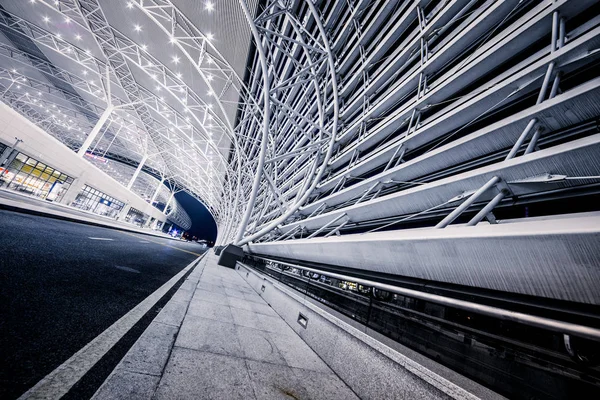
x=327 y=225
x=266 y=120
x=561 y=33
x=555 y=86
x=487 y=209
x=401 y=146
x=367 y=192
x=533 y=142
x=467 y=203
x=521 y=139
x=495 y=312
x=340 y=226
x=317 y=210
x=554 y=31
x=545 y=84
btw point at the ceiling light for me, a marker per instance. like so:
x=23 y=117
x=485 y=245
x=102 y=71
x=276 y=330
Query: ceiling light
x=209 y=77
x=144 y=47
x=68 y=20
x=130 y=5
x=176 y=59
x=137 y=28
x=210 y=36
x=209 y=6
x=46 y=19
x=78 y=37
x=85 y=72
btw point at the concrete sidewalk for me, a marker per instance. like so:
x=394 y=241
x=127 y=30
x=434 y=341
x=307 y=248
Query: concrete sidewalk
x=218 y=339
x=10 y=200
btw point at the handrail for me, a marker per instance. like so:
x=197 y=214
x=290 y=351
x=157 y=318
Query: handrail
x=582 y=331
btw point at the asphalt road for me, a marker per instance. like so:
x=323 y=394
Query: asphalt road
x=60 y=288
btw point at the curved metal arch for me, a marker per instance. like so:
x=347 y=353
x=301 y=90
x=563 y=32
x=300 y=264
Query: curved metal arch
x=276 y=9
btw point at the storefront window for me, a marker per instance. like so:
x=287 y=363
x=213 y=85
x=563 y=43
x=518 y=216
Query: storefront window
x=28 y=176
x=100 y=203
x=136 y=217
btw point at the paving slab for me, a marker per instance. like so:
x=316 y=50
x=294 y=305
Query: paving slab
x=217 y=339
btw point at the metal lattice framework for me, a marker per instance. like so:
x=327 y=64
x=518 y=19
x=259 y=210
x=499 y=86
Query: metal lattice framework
x=346 y=106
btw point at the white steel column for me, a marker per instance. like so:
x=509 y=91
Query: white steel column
x=88 y=141
x=137 y=171
x=157 y=191
x=169 y=202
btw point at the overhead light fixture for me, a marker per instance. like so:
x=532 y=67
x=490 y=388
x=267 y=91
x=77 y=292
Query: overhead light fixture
x=210 y=36
x=78 y=37
x=46 y=19
x=130 y=5
x=176 y=59
x=137 y=28
x=209 y=6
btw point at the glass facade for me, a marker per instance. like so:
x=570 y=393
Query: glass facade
x=136 y=217
x=90 y=199
x=27 y=175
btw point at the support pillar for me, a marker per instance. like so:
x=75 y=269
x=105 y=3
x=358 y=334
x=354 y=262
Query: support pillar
x=157 y=191
x=123 y=213
x=169 y=201
x=88 y=141
x=152 y=200
x=137 y=171
x=72 y=191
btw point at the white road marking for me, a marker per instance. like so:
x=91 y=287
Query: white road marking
x=127 y=269
x=144 y=241
x=97 y=238
x=58 y=382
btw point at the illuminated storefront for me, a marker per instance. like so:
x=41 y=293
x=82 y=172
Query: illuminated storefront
x=136 y=217
x=100 y=203
x=29 y=176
